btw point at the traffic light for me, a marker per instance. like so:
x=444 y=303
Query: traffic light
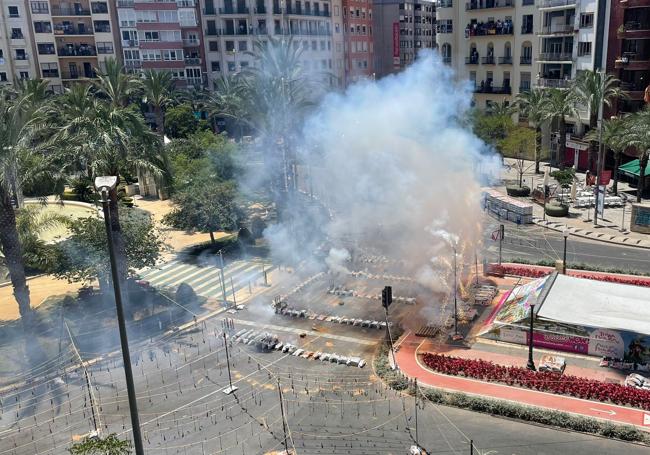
x=386 y=296
x=547 y=191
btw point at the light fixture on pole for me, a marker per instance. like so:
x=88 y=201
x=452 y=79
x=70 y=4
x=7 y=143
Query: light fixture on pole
x=104 y=185
x=565 y=233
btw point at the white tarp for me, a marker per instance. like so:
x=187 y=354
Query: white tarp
x=598 y=304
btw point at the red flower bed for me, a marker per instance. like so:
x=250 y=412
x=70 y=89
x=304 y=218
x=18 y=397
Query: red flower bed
x=574 y=386
x=538 y=272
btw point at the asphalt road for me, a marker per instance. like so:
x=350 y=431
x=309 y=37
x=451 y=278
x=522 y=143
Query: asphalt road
x=534 y=243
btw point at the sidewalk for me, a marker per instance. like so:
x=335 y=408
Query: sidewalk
x=410 y=365
x=580 y=223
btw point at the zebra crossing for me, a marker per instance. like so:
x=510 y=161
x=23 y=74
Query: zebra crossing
x=206 y=280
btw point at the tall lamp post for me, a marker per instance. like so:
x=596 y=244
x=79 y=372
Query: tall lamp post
x=456 y=336
x=104 y=185
x=531 y=362
x=565 y=233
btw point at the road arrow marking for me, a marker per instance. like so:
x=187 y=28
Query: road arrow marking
x=612 y=413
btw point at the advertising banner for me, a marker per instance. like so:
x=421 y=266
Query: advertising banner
x=561 y=342
x=606 y=343
x=396 y=62
x=601 y=200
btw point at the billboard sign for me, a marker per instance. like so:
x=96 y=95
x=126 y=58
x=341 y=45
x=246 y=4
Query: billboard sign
x=601 y=200
x=396 y=61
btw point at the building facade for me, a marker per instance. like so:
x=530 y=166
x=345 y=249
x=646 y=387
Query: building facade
x=358 y=42
x=17 y=52
x=402 y=29
x=628 y=51
x=231 y=26
x=163 y=35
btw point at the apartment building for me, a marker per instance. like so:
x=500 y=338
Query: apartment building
x=71 y=39
x=491 y=43
x=402 y=29
x=231 y=26
x=628 y=51
x=338 y=42
x=163 y=35
x=358 y=42
x=17 y=56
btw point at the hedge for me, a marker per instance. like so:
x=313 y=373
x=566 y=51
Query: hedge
x=557 y=210
x=508 y=409
x=518 y=191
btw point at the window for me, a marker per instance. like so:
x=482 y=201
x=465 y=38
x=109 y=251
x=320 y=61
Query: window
x=187 y=18
x=146 y=16
x=20 y=54
x=230 y=46
x=150 y=36
x=322 y=45
x=40 y=8
x=172 y=55
x=231 y=67
x=243 y=64
x=338 y=47
x=168 y=17
x=444 y=26
x=178 y=74
x=527 y=2
x=16 y=33
x=102 y=27
x=105 y=48
x=336 y=10
x=127 y=17
x=526 y=24
x=46 y=49
x=337 y=28
x=213 y=46
x=13 y=11
x=214 y=66
x=49 y=70
x=3 y=77
x=243 y=46
x=24 y=75
x=314 y=45
x=131 y=55
x=584 y=48
x=42 y=27
x=151 y=55
x=586 y=20
x=170 y=36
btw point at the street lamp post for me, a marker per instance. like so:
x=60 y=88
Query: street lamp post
x=456 y=336
x=104 y=185
x=531 y=362
x=565 y=233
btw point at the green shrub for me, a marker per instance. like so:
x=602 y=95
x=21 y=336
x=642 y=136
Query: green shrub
x=518 y=191
x=557 y=210
x=127 y=201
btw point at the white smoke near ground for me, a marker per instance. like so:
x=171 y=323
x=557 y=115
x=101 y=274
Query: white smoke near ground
x=393 y=163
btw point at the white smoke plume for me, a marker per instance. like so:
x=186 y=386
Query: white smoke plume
x=401 y=174
x=336 y=260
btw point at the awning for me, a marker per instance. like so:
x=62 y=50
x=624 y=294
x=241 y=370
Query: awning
x=633 y=168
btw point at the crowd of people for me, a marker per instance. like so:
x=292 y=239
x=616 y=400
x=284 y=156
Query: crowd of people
x=497 y=27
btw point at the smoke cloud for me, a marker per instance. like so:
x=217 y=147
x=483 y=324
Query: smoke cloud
x=397 y=172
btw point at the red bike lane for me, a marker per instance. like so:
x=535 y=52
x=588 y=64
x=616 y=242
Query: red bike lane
x=408 y=363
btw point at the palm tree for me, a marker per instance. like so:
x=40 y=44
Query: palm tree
x=559 y=105
x=503 y=109
x=108 y=139
x=531 y=104
x=115 y=84
x=158 y=89
x=25 y=156
x=227 y=101
x=31 y=222
x=637 y=135
x=593 y=89
x=613 y=137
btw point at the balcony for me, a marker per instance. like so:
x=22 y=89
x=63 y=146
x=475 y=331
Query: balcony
x=557 y=29
x=633 y=61
x=633 y=29
x=193 y=61
x=487 y=60
x=559 y=4
x=68 y=11
x=488 y=4
x=555 y=57
x=75 y=75
x=234 y=10
x=487 y=88
x=471 y=60
x=525 y=60
x=260 y=10
x=21 y=60
x=209 y=11
x=99 y=8
x=133 y=64
x=80 y=50
x=185 y=3
x=490 y=28
x=130 y=43
x=70 y=29
x=505 y=60
x=553 y=83
x=125 y=3
x=190 y=42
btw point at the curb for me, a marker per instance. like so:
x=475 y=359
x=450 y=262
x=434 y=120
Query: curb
x=547 y=225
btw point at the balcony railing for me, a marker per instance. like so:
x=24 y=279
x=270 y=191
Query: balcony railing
x=484 y=88
x=72 y=30
x=99 y=8
x=67 y=11
x=636 y=25
x=77 y=74
x=490 y=29
x=234 y=10
x=525 y=60
x=487 y=60
x=555 y=57
x=190 y=42
x=77 y=51
x=557 y=29
x=133 y=63
x=488 y=4
x=524 y=88
x=130 y=43
x=193 y=61
x=555 y=3
x=505 y=60
x=125 y=3
x=553 y=83
x=471 y=60
x=185 y=3
x=260 y=10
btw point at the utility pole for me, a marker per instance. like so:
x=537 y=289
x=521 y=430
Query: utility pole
x=231 y=388
x=417 y=439
x=232 y=287
x=502 y=231
x=531 y=361
x=386 y=300
x=96 y=420
x=284 y=424
x=223 y=280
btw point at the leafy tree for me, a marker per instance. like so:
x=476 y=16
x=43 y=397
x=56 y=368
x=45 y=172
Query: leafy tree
x=227 y=101
x=207 y=206
x=531 y=104
x=110 y=445
x=115 y=84
x=613 y=137
x=25 y=156
x=520 y=145
x=492 y=128
x=158 y=93
x=593 y=88
x=82 y=187
x=31 y=222
x=637 y=137
x=83 y=256
x=180 y=122
x=559 y=105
